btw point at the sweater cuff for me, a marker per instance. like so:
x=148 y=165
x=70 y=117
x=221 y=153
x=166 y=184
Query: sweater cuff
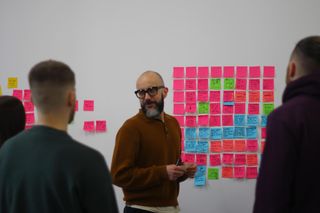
x=163 y=172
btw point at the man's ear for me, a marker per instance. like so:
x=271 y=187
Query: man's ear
x=71 y=98
x=292 y=71
x=165 y=92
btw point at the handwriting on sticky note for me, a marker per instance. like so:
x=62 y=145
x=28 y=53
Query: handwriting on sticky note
x=88 y=105
x=239 y=145
x=216 y=72
x=191 y=84
x=215 y=160
x=254 y=84
x=191 y=108
x=191 y=72
x=252 y=120
x=202 y=147
x=227 y=145
x=201 y=159
x=240 y=159
x=254 y=72
x=239 y=120
x=215 y=146
x=213 y=173
x=227 y=120
x=188 y=158
x=241 y=84
x=190 y=146
x=268 y=96
x=215 y=84
x=251 y=132
x=190 y=97
x=239 y=108
x=12 y=82
x=239 y=132
x=191 y=133
x=228 y=109
x=101 y=125
x=203 y=96
x=242 y=72
x=268 y=71
x=252 y=159
x=215 y=96
x=228 y=96
x=252 y=172
x=17 y=93
x=216 y=133
x=239 y=172
x=267 y=108
x=228 y=71
x=252 y=145
x=253 y=109
x=88 y=126
x=204 y=132
x=227 y=172
x=215 y=108
x=228 y=83
x=215 y=120
x=200 y=180
x=240 y=96
x=228 y=132
x=268 y=84
x=254 y=96
x=203 y=107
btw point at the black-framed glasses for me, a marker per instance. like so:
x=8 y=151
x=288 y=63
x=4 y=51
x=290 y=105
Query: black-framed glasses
x=152 y=91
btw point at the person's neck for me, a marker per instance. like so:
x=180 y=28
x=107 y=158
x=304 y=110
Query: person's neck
x=53 y=121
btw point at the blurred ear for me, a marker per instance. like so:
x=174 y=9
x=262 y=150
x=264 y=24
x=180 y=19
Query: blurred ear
x=71 y=98
x=292 y=71
x=165 y=92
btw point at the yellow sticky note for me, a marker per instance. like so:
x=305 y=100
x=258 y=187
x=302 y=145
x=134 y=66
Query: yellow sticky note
x=0 y=90
x=12 y=82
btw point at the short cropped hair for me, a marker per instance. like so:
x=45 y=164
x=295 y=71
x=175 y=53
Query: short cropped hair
x=49 y=81
x=12 y=117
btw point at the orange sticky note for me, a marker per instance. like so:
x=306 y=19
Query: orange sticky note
x=215 y=146
x=239 y=172
x=227 y=145
x=268 y=96
x=17 y=93
x=101 y=126
x=88 y=126
x=88 y=105
x=227 y=172
x=28 y=106
x=240 y=96
x=254 y=96
x=215 y=160
x=252 y=159
x=12 y=83
x=239 y=145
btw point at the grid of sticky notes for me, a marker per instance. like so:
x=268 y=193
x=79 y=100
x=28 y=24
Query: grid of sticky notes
x=222 y=111
x=24 y=95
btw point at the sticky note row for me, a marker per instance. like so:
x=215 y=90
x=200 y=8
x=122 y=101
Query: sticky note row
x=22 y=94
x=98 y=126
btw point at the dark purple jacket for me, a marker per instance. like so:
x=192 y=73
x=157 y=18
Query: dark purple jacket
x=288 y=180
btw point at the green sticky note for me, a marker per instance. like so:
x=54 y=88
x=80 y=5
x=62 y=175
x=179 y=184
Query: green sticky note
x=267 y=108
x=213 y=173
x=215 y=83
x=203 y=108
x=228 y=83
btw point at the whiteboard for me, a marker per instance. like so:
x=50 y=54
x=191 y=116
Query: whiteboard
x=109 y=43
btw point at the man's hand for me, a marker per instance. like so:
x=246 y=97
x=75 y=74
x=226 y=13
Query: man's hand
x=190 y=169
x=174 y=172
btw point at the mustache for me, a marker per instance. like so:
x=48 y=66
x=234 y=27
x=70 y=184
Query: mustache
x=149 y=102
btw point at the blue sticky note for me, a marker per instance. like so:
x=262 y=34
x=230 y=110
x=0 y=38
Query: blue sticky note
x=252 y=120
x=201 y=170
x=228 y=103
x=202 y=147
x=200 y=180
x=190 y=146
x=252 y=132
x=216 y=133
x=239 y=132
x=204 y=132
x=228 y=132
x=239 y=120
x=264 y=120
x=191 y=133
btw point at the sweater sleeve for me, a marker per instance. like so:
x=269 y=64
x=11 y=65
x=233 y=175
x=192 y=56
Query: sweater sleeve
x=277 y=170
x=125 y=173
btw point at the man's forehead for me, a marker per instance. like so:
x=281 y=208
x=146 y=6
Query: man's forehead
x=148 y=80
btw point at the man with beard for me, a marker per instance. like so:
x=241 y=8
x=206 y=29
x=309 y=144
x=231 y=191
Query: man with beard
x=44 y=170
x=146 y=158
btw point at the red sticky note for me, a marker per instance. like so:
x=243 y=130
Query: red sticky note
x=76 y=106
x=178 y=72
x=28 y=106
x=252 y=172
x=191 y=84
x=240 y=159
x=227 y=120
x=268 y=71
x=27 y=95
x=262 y=145
x=216 y=72
x=215 y=146
x=203 y=120
x=203 y=96
x=178 y=84
x=268 y=84
x=178 y=96
x=239 y=145
x=215 y=160
x=254 y=96
x=228 y=109
x=203 y=72
x=254 y=72
x=268 y=96
x=228 y=71
x=178 y=109
x=227 y=145
x=215 y=96
x=240 y=96
x=227 y=172
x=17 y=93
x=240 y=108
x=242 y=72
x=215 y=108
x=254 y=84
x=215 y=120
x=227 y=158
x=228 y=96
x=252 y=145
x=263 y=132
x=191 y=72
x=88 y=105
x=191 y=108
x=201 y=159
x=101 y=126
x=188 y=158
x=191 y=97
x=30 y=118
x=252 y=159
x=180 y=120
x=203 y=84
x=88 y=126
x=191 y=121
x=241 y=84
x=239 y=172
x=253 y=109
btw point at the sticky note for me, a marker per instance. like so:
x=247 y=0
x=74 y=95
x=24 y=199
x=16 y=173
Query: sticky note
x=27 y=95
x=215 y=84
x=216 y=133
x=191 y=84
x=252 y=145
x=190 y=146
x=267 y=108
x=215 y=96
x=253 y=109
x=201 y=159
x=200 y=180
x=228 y=132
x=240 y=96
x=239 y=120
x=254 y=96
x=240 y=159
x=203 y=107
x=228 y=109
x=254 y=72
x=203 y=84
x=239 y=145
x=30 y=118
x=242 y=72
x=239 y=108
x=227 y=158
x=262 y=145
x=215 y=146
x=180 y=120
x=0 y=90
x=178 y=84
x=88 y=126
x=203 y=72
x=215 y=120
x=268 y=84
x=251 y=132
x=252 y=159
x=203 y=120
x=263 y=133
x=12 y=83
x=202 y=147
x=228 y=83
x=191 y=121
x=239 y=132
x=204 y=133
x=228 y=96
x=227 y=120
x=215 y=160
x=76 y=106
x=254 y=84
x=191 y=97
x=228 y=103
x=252 y=120
x=178 y=96
x=101 y=125
x=178 y=109
x=239 y=172
x=268 y=96
x=203 y=96
x=227 y=146
x=263 y=120
x=188 y=158
x=227 y=172
x=228 y=72
x=190 y=133
x=17 y=93
x=216 y=72
x=213 y=173
x=241 y=84
x=191 y=108
x=191 y=72
x=215 y=108
x=268 y=71
x=252 y=172
x=178 y=72
x=28 y=106
x=88 y=105
x=201 y=170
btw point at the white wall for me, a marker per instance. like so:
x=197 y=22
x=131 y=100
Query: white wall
x=109 y=43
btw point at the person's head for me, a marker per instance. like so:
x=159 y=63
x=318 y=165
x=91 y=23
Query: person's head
x=151 y=92
x=305 y=58
x=52 y=85
x=12 y=117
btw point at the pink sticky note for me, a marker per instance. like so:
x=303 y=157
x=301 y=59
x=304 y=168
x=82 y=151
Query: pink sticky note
x=203 y=96
x=228 y=96
x=228 y=71
x=191 y=108
x=216 y=72
x=101 y=126
x=254 y=96
x=268 y=84
x=252 y=159
x=178 y=72
x=88 y=126
x=178 y=96
x=17 y=93
x=252 y=172
x=28 y=106
x=240 y=108
x=227 y=146
x=215 y=108
x=215 y=146
x=262 y=145
x=203 y=120
x=201 y=159
x=203 y=84
x=88 y=105
x=242 y=72
x=228 y=109
x=263 y=132
x=178 y=109
x=76 y=106
x=30 y=118
x=227 y=120
x=215 y=96
x=239 y=145
x=268 y=71
x=188 y=158
x=215 y=160
x=227 y=172
x=215 y=120
x=252 y=145
x=254 y=84
x=178 y=84
x=254 y=72
x=239 y=172
x=240 y=96
x=203 y=72
x=240 y=159
x=268 y=96
x=191 y=84
x=191 y=97
x=253 y=109
x=27 y=95
x=191 y=72
x=241 y=84
x=180 y=120
x=227 y=158
x=191 y=121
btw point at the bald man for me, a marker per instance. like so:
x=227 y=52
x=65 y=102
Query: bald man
x=146 y=159
x=287 y=179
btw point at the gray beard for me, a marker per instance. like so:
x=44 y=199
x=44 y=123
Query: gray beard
x=152 y=113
